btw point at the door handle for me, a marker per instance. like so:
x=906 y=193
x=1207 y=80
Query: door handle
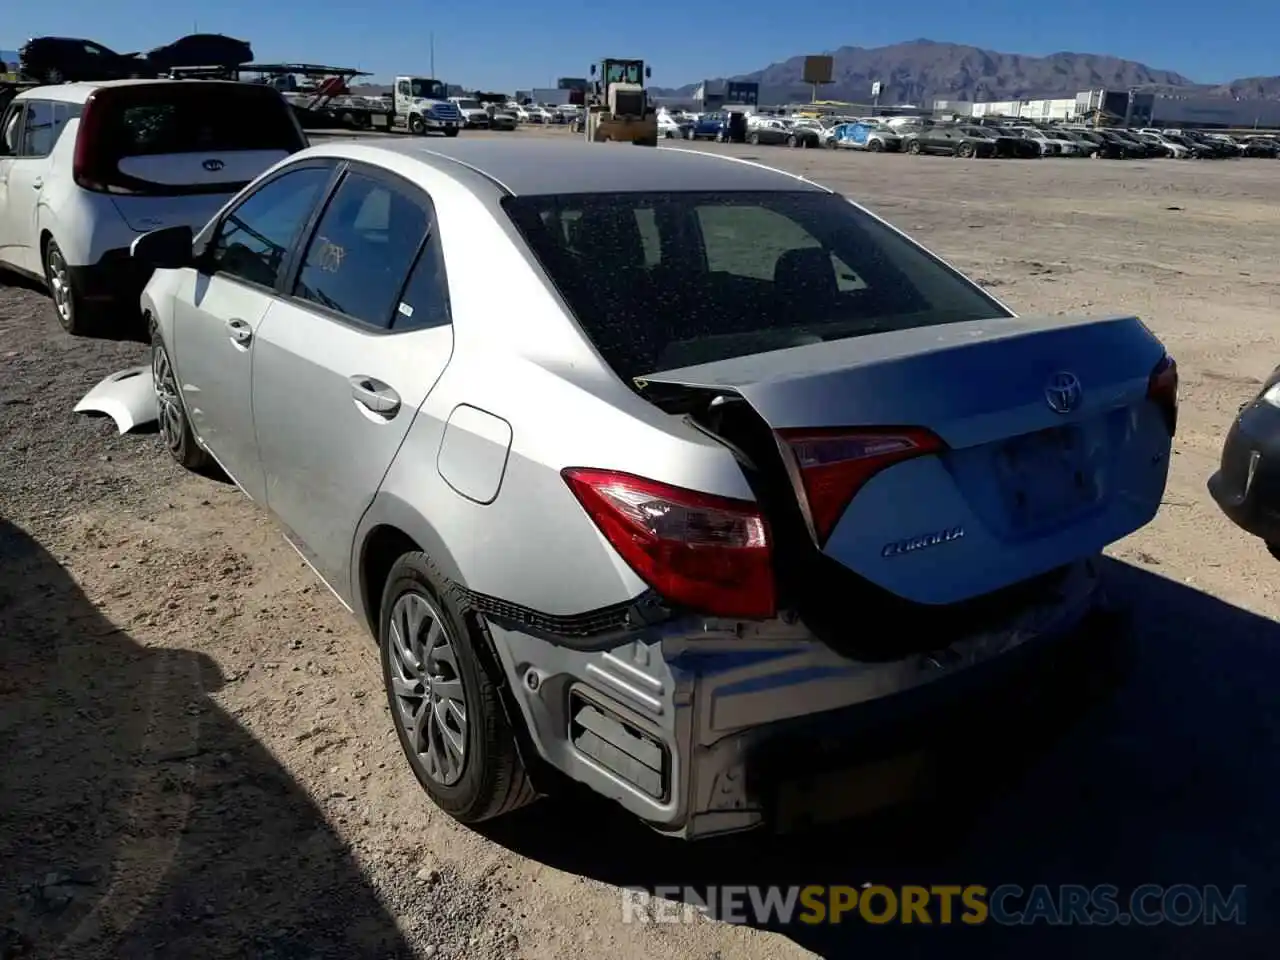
x=240 y=332
x=375 y=396
x=37 y=183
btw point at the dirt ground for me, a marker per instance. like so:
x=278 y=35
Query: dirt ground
x=199 y=760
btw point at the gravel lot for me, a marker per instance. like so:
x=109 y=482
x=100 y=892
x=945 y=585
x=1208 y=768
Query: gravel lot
x=199 y=758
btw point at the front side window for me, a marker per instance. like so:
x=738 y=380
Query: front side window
x=735 y=273
x=360 y=254
x=252 y=241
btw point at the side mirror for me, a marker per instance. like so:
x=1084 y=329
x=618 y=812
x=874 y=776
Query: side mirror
x=593 y=69
x=169 y=248
x=648 y=72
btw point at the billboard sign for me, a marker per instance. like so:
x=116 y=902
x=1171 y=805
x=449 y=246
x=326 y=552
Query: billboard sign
x=818 y=69
x=741 y=91
x=876 y=88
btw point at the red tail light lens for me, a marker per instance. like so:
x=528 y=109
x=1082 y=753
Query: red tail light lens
x=836 y=463
x=1162 y=388
x=708 y=553
x=84 y=162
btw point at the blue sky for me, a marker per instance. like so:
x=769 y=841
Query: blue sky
x=506 y=44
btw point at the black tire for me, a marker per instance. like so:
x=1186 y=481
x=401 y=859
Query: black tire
x=875 y=146
x=175 y=426
x=417 y=126
x=793 y=141
x=75 y=315
x=754 y=139
x=721 y=138
x=52 y=75
x=451 y=132
x=646 y=142
x=492 y=780
x=913 y=148
x=688 y=133
x=965 y=150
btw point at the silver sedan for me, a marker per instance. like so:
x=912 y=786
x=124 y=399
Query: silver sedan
x=719 y=461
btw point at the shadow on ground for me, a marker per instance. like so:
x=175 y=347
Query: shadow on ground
x=140 y=820
x=1166 y=772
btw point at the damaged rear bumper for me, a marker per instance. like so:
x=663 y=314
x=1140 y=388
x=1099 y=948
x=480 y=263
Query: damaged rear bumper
x=701 y=730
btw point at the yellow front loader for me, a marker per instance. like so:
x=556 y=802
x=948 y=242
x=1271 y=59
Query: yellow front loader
x=617 y=107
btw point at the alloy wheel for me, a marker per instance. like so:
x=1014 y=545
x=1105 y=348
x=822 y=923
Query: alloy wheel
x=168 y=402
x=429 y=697
x=60 y=286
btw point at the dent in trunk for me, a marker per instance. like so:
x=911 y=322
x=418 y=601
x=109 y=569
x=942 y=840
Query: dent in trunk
x=980 y=387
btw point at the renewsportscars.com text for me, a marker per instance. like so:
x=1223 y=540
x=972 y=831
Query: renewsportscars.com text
x=940 y=904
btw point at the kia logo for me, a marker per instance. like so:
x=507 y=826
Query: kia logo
x=213 y=166
x=1063 y=392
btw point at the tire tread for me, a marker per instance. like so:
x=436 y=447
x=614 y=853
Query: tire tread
x=505 y=786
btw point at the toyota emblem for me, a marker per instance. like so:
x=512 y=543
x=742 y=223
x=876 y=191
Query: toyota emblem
x=213 y=166
x=1063 y=392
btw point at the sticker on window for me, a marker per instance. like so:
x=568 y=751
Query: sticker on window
x=405 y=310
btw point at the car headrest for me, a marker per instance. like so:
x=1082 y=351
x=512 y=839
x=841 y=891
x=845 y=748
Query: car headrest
x=806 y=272
x=610 y=238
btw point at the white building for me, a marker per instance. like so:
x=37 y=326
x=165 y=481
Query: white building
x=1137 y=108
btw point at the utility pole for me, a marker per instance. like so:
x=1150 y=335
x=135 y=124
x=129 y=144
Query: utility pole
x=433 y=54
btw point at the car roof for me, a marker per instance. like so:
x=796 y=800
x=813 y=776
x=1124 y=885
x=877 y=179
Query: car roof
x=543 y=166
x=80 y=92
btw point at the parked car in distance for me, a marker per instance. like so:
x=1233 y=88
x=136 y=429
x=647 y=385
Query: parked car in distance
x=90 y=166
x=1050 y=144
x=802 y=135
x=64 y=59
x=1006 y=143
x=948 y=140
x=672 y=129
x=1246 y=485
x=1165 y=146
x=501 y=118
x=767 y=131
x=1102 y=147
x=868 y=135
x=725 y=446
x=200 y=50
x=710 y=126
x=474 y=115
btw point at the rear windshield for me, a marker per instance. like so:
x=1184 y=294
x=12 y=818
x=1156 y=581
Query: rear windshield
x=660 y=281
x=190 y=117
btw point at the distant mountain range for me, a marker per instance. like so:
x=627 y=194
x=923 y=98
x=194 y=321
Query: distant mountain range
x=920 y=71
x=8 y=58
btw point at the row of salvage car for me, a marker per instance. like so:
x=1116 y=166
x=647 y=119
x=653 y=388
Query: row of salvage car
x=984 y=139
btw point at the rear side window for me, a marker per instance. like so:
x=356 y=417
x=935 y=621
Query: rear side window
x=190 y=117
x=737 y=274
x=362 y=249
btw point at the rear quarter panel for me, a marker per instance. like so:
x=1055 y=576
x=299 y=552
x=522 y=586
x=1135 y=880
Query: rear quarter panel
x=518 y=357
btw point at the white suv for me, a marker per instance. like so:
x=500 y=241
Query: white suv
x=87 y=167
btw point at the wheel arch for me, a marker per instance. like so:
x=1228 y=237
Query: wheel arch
x=391 y=529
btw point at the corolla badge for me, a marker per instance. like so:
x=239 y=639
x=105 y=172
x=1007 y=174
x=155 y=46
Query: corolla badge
x=1063 y=392
x=910 y=545
x=213 y=166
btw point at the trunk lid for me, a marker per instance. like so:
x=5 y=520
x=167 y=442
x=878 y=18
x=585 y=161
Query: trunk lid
x=1019 y=488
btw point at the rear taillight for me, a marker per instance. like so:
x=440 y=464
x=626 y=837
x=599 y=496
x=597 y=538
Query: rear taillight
x=707 y=553
x=85 y=169
x=835 y=463
x=1162 y=389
